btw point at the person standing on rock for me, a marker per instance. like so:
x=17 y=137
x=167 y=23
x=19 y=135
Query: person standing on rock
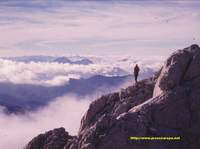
x=136 y=72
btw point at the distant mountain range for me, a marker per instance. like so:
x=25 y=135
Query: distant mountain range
x=28 y=59
x=83 y=61
x=63 y=59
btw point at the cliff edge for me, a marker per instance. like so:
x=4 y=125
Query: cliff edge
x=166 y=105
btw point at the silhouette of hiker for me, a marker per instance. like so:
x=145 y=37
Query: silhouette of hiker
x=136 y=72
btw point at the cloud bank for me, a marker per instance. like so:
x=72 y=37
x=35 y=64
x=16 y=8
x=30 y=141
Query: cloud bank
x=17 y=130
x=54 y=74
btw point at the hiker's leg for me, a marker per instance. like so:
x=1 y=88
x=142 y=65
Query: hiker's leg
x=135 y=77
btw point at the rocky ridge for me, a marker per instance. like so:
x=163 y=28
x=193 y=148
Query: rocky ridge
x=167 y=105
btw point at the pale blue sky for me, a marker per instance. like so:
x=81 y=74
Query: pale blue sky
x=48 y=27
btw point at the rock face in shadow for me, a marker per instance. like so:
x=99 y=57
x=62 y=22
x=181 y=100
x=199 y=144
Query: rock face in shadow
x=54 y=139
x=166 y=106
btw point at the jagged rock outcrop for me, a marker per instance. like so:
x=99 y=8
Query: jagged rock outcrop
x=102 y=114
x=97 y=120
x=171 y=108
x=54 y=139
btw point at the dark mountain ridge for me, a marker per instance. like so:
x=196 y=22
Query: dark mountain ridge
x=17 y=98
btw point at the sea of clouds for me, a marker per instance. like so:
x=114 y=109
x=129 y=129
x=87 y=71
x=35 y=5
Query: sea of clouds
x=54 y=73
x=45 y=27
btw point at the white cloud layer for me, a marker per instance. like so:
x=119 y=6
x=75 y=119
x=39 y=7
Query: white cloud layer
x=52 y=74
x=17 y=130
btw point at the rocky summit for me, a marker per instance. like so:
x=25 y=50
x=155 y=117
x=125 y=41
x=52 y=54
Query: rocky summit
x=167 y=105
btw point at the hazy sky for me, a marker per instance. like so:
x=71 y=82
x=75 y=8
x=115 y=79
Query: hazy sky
x=47 y=27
